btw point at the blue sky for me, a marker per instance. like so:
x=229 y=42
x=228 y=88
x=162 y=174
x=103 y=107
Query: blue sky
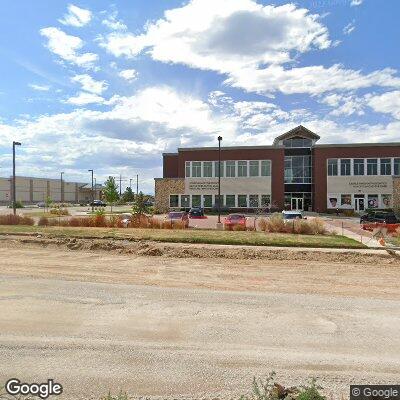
x=110 y=86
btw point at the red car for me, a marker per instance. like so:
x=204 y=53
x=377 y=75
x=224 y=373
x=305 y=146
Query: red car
x=178 y=216
x=234 y=219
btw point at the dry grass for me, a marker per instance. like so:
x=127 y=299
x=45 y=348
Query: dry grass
x=11 y=219
x=276 y=224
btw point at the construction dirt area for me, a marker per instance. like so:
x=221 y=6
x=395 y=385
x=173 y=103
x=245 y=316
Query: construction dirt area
x=194 y=321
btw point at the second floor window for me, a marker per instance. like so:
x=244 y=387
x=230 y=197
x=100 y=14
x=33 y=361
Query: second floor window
x=372 y=166
x=397 y=166
x=196 y=169
x=332 y=167
x=345 y=167
x=265 y=168
x=207 y=169
x=358 y=166
x=242 y=168
x=386 y=166
x=254 y=168
x=230 y=169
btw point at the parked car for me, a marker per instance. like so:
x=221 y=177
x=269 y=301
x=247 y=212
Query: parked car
x=234 y=219
x=380 y=217
x=97 y=203
x=178 y=216
x=41 y=204
x=196 y=212
x=291 y=215
x=126 y=219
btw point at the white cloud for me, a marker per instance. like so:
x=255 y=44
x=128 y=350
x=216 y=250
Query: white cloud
x=41 y=88
x=84 y=98
x=223 y=35
x=312 y=80
x=67 y=47
x=113 y=23
x=356 y=2
x=349 y=28
x=386 y=103
x=76 y=16
x=129 y=74
x=89 y=84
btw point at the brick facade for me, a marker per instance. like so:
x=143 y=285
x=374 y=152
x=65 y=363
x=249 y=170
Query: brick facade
x=163 y=188
x=396 y=194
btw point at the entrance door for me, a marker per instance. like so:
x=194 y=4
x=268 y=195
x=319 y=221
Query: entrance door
x=297 y=203
x=359 y=204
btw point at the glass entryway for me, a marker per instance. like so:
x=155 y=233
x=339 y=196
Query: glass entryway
x=359 y=204
x=297 y=203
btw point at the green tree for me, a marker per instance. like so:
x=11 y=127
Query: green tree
x=110 y=191
x=139 y=206
x=128 y=195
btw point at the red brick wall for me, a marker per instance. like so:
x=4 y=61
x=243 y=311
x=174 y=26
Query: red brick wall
x=170 y=165
x=321 y=155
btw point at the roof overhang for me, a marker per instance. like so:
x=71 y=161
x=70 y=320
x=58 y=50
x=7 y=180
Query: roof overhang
x=298 y=131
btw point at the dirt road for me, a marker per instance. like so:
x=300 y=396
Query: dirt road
x=200 y=328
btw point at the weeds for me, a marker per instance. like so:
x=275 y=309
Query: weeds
x=277 y=224
x=11 y=219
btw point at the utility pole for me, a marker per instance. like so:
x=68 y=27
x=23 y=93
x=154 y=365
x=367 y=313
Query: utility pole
x=95 y=188
x=137 y=184
x=90 y=170
x=130 y=183
x=219 y=181
x=14 y=186
x=120 y=185
x=61 y=188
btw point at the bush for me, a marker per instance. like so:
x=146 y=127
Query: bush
x=18 y=204
x=239 y=227
x=276 y=224
x=43 y=221
x=11 y=219
x=262 y=224
x=317 y=226
x=59 y=211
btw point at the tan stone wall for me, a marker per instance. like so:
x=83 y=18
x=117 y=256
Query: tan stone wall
x=396 y=193
x=163 y=188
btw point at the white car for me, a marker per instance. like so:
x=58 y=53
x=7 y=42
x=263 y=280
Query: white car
x=291 y=215
x=126 y=219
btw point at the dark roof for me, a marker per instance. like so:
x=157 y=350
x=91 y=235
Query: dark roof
x=298 y=131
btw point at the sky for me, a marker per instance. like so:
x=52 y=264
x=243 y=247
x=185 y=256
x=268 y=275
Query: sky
x=111 y=86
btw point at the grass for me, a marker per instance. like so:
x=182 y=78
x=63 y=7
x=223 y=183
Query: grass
x=192 y=236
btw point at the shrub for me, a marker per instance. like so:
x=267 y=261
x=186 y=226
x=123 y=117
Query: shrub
x=43 y=221
x=18 y=204
x=349 y=213
x=11 y=219
x=59 y=211
x=154 y=223
x=262 y=224
x=318 y=226
x=239 y=227
x=276 y=224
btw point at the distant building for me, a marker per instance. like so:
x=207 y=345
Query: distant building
x=30 y=190
x=293 y=173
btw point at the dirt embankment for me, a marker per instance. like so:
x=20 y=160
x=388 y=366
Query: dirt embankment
x=180 y=250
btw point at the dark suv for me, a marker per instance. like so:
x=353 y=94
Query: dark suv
x=379 y=216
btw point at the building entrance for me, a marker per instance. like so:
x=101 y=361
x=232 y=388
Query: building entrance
x=297 y=204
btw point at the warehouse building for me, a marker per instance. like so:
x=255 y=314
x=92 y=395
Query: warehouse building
x=294 y=173
x=30 y=190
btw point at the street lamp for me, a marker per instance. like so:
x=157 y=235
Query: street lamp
x=14 y=186
x=61 y=187
x=90 y=170
x=219 y=180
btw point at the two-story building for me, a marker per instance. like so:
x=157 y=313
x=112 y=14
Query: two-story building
x=293 y=173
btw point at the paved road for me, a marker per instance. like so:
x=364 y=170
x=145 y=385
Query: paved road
x=193 y=328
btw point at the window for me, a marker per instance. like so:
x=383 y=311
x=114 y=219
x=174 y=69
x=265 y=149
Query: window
x=196 y=200
x=207 y=200
x=185 y=200
x=265 y=168
x=230 y=200
x=345 y=167
x=242 y=168
x=187 y=169
x=207 y=169
x=216 y=165
x=242 y=200
x=358 y=166
x=397 y=166
x=253 y=201
x=386 y=166
x=219 y=200
x=230 y=169
x=297 y=142
x=345 y=200
x=332 y=167
x=386 y=200
x=265 y=200
x=372 y=166
x=372 y=201
x=174 y=200
x=196 y=169
x=254 y=168
x=297 y=169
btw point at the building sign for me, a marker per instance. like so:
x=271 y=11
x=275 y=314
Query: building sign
x=199 y=186
x=369 y=185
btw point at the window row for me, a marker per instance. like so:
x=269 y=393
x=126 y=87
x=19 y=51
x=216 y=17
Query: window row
x=229 y=169
x=359 y=202
x=363 y=166
x=227 y=200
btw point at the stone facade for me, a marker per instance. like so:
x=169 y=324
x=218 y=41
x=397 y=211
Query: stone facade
x=163 y=188
x=396 y=193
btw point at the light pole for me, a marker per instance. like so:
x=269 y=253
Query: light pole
x=90 y=170
x=14 y=186
x=137 y=184
x=130 y=183
x=61 y=188
x=219 y=180
x=95 y=188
